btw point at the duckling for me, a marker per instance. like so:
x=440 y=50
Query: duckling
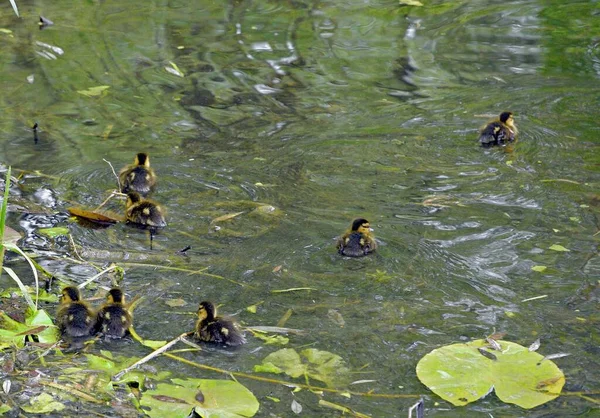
x=139 y=176
x=499 y=131
x=215 y=329
x=144 y=212
x=358 y=240
x=113 y=318
x=74 y=317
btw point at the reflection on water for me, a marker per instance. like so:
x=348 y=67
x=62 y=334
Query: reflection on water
x=292 y=119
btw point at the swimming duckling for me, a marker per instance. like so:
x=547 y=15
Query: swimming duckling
x=113 y=318
x=139 y=176
x=357 y=241
x=144 y=212
x=215 y=329
x=499 y=131
x=74 y=317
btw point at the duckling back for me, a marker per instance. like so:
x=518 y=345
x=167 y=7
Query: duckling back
x=496 y=133
x=75 y=319
x=137 y=179
x=144 y=212
x=220 y=331
x=147 y=213
x=356 y=244
x=113 y=321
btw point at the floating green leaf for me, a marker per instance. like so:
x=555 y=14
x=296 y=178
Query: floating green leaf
x=557 y=247
x=209 y=398
x=48 y=335
x=460 y=374
x=43 y=404
x=57 y=231
x=312 y=363
x=411 y=3
x=539 y=269
x=94 y=91
x=12 y=333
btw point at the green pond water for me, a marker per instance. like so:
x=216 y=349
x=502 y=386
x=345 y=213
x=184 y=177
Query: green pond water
x=304 y=115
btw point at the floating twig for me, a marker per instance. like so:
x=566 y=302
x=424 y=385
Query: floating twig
x=535 y=298
x=90 y=280
x=150 y=356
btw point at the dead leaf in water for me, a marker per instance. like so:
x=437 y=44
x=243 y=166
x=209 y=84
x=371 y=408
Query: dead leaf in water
x=103 y=218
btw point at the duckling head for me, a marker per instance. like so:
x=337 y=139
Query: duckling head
x=507 y=119
x=70 y=294
x=142 y=159
x=133 y=198
x=361 y=225
x=207 y=310
x=115 y=295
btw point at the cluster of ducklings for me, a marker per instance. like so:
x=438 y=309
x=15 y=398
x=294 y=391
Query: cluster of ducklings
x=138 y=180
x=77 y=319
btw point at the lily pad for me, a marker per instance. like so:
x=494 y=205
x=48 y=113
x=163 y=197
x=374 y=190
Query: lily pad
x=209 y=398
x=312 y=363
x=462 y=373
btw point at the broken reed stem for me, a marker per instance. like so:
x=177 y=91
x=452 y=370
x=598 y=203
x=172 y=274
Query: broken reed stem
x=289 y=384
x=72 y=391
x=90 y=280
x=150 y=356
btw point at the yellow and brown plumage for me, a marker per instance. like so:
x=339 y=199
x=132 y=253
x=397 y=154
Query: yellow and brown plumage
x=74 y=317
x=215 y=329
x=138 y=177
x=499 y=131
x=144 y=212
x=114 y=319
x=358 y=240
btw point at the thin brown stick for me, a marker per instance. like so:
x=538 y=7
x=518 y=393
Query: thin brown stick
x=72 y=391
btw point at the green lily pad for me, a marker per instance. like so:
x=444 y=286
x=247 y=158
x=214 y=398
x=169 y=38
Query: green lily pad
x=209 y=398
x=312 y=363
x=463 y=373
x=43 y=404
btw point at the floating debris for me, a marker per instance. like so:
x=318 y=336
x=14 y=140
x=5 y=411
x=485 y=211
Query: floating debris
x=535 y=345
x=44 y=22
